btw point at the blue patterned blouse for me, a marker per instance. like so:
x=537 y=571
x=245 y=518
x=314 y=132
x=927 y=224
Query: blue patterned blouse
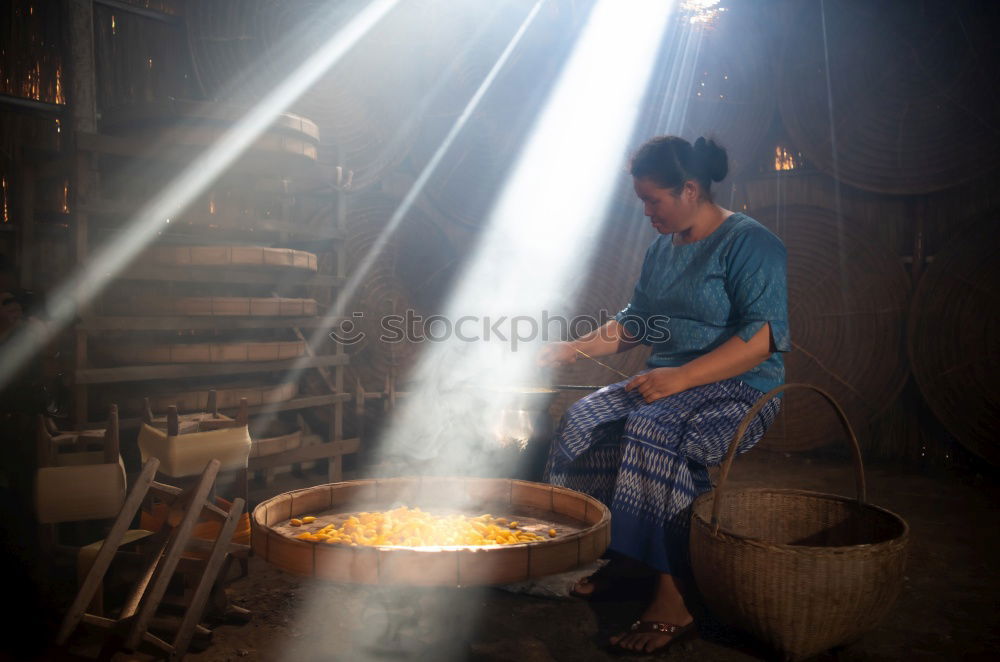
x=693 y=297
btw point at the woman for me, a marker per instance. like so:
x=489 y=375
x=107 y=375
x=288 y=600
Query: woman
x=712 y=302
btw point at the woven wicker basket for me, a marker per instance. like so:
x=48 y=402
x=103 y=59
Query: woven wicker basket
x=802 y=571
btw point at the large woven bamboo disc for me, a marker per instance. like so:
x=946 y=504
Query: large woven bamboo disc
x=954 y=328
x=717 y=90
x=412 y=272
x=912 y=92
x=582 y=526
x=847 y=297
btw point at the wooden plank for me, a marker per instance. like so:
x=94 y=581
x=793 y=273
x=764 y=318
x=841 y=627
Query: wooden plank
x=178 y=541
x=288 y=405
x=99 y=621
x=297 y=403
x=92 y=583
x=169 y=492
x=306 y=454
x=208 y=577
x=257 y=276
x=181 y=322
x=180 y=370
x=79 y=31
x=26 y=182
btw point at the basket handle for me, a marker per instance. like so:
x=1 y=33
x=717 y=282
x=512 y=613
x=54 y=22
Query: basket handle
x=727 y=463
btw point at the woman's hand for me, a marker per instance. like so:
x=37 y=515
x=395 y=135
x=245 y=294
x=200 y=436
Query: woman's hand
x=557 y=353
x=659 y=383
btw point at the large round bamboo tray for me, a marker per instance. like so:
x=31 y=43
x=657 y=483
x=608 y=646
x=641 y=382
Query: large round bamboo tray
x=581 y=522
x=216 y=352
x=215 y=306
x=802 y=571
x=918 y=122
x=954 y=328
x=231 y=256
x=847 y=302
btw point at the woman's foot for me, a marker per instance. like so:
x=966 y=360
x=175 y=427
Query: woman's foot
x=594 y=585
x=668 y=609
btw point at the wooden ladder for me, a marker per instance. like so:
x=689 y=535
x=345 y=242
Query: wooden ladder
x=130 y=630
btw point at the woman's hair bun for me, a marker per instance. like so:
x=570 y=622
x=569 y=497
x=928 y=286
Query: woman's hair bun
x=710 y=159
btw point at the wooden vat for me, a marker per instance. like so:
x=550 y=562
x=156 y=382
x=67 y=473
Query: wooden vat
x=215 y=352
x=215 y=306
x=231 y=256
x=582 y=523
x=195 y=125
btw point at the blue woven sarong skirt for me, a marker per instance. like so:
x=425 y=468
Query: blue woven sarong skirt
x=648 y=461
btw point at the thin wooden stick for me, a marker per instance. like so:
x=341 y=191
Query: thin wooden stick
x=603 y=365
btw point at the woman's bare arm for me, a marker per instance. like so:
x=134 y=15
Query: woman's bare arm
x=731 y=358
x=608 y=339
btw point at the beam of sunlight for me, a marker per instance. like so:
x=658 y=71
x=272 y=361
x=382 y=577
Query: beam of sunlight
x=431 y=167
x=81 y=287
x=361 y=271
x=538 y=239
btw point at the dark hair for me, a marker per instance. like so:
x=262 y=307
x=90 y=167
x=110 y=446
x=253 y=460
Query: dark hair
x=669 y=161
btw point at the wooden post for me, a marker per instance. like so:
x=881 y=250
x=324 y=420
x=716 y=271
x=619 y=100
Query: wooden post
x=336 y=467
x=173 y=421
x=82 y=88
x=81 y=67
x=25 y=183
x=111 y=442
x=79 y=190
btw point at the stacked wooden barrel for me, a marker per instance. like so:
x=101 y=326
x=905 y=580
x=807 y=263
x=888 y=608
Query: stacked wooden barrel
x=230 y=291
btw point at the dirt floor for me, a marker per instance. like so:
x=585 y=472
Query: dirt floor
x=948 y=608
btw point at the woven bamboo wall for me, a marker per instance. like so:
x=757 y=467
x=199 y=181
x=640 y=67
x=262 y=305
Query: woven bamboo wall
x=902 y=175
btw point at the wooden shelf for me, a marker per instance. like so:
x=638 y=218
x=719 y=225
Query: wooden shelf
x=315 y=451
x=256 y=276
x=183 y=322
x=142 y=373
x=306 y=402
